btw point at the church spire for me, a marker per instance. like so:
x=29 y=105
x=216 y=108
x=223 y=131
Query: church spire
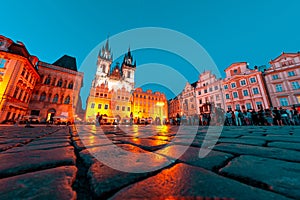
x=105 y=52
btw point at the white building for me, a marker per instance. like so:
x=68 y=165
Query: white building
x=209 y=92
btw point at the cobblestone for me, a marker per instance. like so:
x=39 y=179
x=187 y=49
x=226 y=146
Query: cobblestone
x=60 y=162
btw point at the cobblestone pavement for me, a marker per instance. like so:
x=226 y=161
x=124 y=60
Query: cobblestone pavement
x=57 y=163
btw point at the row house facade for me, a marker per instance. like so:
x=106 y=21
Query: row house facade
x=244 y=88
x=18 y=76
x=283 y=80
x=174 y=107
x=187 y=99
x=208 y=93
x=148 y=104
x=57 y=92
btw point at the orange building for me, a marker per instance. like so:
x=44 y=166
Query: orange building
x=149 y=105
x=244 y=88
x=56 y=95
x=18 y=76
x=283 y=80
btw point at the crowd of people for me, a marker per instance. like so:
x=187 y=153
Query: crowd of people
x=261 y=117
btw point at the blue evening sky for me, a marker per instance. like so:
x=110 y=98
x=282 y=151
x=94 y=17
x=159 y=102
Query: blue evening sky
x=230 y=31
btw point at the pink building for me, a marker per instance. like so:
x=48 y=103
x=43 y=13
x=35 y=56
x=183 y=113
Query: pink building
x=283 y=80
x=244 y=88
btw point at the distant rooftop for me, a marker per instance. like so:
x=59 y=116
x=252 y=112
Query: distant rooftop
x=67 y=62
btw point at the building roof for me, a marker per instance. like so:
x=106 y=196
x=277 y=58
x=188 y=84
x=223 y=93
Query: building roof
x=67 y=62
x=235 y=64
x=194 y=84
x=283 y=55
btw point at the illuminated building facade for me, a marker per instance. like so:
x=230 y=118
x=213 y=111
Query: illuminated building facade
x=111 y=89
x=18 y=75
x=283 y=80
x=244 y=88
x=57 y=92
x=150 y=105
x=209 y=93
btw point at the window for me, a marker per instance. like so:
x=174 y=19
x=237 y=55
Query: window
x=23 y=71
x=99 y=106
x=216 y=87
x=105 y=106
x=123 y=108
x=128 y=109
x=291 y=73
x=118 y=108
x=259 y=104
x=43 y=96
x=279 y=88
x=47 y=81
x=205 y=91
x=248 y=106
x=210 y=89
x=245 y=92
x=200 y=101
x=93 y=105
x=59 y=83
x=16 y=92
x=225 y=87
x=275 y=77
x=295 y=85
x=55 y=98
x=227 y=96
x=128 y=74
x=243 y=82
x=252 y=80
x=2 y=63
x=284 y=102
x=20 y=95
x=235 y=71
x=233 y=85
x=70 y=86
x=67 y=100
x=255 y=91
x=235 y=95
x=217 y=97
x=237 y=107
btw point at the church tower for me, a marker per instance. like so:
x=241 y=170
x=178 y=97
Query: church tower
x=103 y=64
x=128 y=68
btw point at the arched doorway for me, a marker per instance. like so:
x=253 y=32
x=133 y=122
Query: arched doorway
x=50 y=114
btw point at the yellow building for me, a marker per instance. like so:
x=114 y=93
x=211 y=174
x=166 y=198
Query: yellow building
x=56 y=95
x=18 y=76
x=99 y=101
x=153 y=106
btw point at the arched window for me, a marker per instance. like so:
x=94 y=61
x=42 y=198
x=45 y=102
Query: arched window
x=70 y=86
x=67 y=100
x=47 y=81
x=43 y=96
x=55 y=98
x=59 y=83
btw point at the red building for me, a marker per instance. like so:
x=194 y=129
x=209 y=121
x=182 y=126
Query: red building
x=244 y=88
